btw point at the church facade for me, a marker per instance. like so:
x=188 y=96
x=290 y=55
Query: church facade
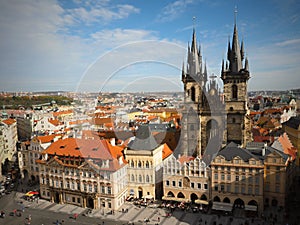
x=212 y=118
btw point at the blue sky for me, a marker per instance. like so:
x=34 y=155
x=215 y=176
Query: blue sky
x=132 y=45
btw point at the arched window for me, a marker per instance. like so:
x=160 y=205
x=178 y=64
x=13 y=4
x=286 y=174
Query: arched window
x=132 y=163
x=140 y=179
x=139 y=164
x=234 y=92
x=193 y=94
x=132 y=177
x=147 y=164
x=147 y=179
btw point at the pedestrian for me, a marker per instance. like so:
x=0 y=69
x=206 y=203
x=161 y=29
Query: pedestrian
x=158 y=219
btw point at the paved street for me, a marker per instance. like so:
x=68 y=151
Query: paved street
x=44 y=212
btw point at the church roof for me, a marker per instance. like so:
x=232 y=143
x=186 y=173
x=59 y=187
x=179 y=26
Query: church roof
x=143 y=140
x=233 y=150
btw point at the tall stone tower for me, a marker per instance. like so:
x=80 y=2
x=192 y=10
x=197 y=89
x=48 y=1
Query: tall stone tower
x=202 y=115
x=235 y=75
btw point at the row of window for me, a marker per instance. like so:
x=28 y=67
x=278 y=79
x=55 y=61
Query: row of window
x=139 y=164
x=92 y=188
x=141 y=179
x=184 y=171
x=70 y=172
x=269 y=188
x=192 y=184
x=237 y=178
x=237 y=189
x=237 y=169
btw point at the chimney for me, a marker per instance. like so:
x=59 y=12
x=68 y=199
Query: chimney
x=113 y=141
x=263 y=152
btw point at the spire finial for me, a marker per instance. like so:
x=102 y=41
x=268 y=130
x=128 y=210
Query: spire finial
x=235 y=14
x=194 y=22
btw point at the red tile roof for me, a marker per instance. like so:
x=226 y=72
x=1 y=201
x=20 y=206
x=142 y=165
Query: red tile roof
x=166 y=151
x=84 y=148
x=93 y=151
x=185 y=158
x=287 y=146
x=46 y=139
x=55 y=122
x=9 y=121
x=60 y=113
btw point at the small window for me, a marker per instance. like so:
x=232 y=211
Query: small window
x=234 y=92
x=237 y=178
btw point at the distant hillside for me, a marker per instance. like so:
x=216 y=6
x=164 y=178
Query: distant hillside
x=16 y=102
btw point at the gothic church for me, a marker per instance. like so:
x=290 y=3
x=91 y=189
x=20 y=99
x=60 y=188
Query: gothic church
x=212 y=118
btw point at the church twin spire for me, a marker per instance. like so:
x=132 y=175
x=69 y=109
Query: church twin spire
x=194 y=68
x=235 y=54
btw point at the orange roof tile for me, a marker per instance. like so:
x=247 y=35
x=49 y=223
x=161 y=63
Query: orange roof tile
x=166 y=151
x=102 y=121
x=60 y=113
x=255 y=113
x=84 y=148
x=55 y=122
x=185 y=158
x=46 y=139
x=287 y=146
x=9 y=121
x=78 y=122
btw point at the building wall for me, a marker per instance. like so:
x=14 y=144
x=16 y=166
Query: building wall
x=10 y=138
x=25 y=127
x=83 y=186
x=186 y=180
x=142 y=171
x=275 y=182
x=237 y=179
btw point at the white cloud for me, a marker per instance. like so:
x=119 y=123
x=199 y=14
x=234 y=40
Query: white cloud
x=117 y=37
x=173 y=10
x=109 y=68
x=102 y=12
x=293 y=42
x=38 y=51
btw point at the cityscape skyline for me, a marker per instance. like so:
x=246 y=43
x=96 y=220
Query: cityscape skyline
x=138 y=46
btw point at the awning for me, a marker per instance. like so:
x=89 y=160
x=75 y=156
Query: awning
x=167 y=198
x=251 y=207
x=222 y=206
x=31 y=193
x=199 y=201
